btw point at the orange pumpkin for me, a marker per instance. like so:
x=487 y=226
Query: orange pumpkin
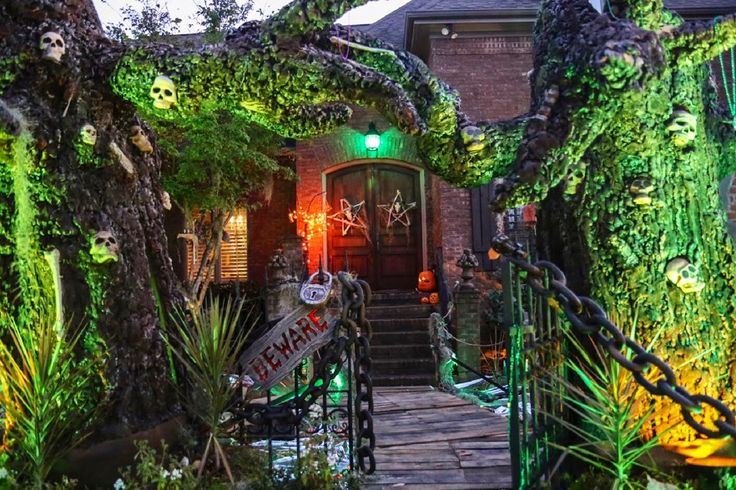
x=427 y=282
x=434 y=298
x=425 y=300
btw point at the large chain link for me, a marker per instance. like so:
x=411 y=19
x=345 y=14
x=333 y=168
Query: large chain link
x=589 y=318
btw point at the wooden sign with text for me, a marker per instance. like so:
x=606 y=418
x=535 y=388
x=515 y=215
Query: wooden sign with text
x=273 y=356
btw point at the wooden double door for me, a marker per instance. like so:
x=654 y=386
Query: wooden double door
x=375 y=223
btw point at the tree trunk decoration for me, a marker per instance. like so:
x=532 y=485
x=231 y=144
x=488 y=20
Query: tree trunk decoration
x=623 y=139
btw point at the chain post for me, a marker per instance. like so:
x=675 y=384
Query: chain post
x=588 y=318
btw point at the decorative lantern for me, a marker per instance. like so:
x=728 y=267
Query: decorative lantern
x=372 y=138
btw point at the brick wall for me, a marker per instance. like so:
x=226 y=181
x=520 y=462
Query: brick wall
x=268 y=226
x=345 y=145
x=490 y=73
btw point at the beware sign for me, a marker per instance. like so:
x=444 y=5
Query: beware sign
x=296 y=336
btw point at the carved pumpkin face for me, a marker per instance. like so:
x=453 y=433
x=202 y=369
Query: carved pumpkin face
x=425 y=300
x=434 y=298
x=427 y=282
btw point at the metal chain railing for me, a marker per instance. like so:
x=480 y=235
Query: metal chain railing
x=356 y=294
x=588 y=317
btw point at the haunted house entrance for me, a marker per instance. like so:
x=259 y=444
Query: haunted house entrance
x=375 y=221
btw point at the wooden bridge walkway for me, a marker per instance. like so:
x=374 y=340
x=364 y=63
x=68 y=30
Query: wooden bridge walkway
x=430 y=439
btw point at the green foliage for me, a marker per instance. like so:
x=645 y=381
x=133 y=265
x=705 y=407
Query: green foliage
x=216 y=161
x=208 y=345
x=152 y=22
x=217 y=16
x=153 y=471
x=610 y=413
x=44 y=392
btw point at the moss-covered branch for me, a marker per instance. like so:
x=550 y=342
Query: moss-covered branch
x=694 y=43
x=302 y=18
x=645 y=13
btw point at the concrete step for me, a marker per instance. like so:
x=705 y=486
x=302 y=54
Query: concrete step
x=398 y=311
x=403 y=351
x=395 y=297
x=404 y=325
x=399 y=338
x=403 y=380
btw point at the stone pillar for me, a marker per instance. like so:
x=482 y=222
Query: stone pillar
x=294 y=248
x=282 y=295
x=468 y=317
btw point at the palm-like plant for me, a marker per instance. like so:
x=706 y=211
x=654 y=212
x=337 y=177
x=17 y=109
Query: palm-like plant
x=41 y=381
x=208 y=345
x=610 y=413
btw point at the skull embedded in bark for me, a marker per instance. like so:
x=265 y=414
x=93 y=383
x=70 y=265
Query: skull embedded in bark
x=88 y=135
x=682 y=127
x=140 y=140
x=640 y=190
x=163 y=92
x=684 y=275
x=53 y=46
x=104 y=248
x=166 y=200
x=473 y=138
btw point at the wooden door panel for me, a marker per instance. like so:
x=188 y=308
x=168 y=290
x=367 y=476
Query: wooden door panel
x=388 y=257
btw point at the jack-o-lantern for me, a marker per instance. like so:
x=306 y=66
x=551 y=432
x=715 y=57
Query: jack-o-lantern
x=424 y=300
x=427 y=282
x=434 y=298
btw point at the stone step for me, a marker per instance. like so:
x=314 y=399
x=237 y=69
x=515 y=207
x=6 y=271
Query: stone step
x=399 y=338
x=403 y=380
x=403 y=351
x=403 y=366
x=398 y=311
x=404 y=325
x=395 y=297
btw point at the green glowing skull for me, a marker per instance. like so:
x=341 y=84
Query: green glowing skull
x=685 y=275
x=682 y=128
x=473 y=138
x=104 y=248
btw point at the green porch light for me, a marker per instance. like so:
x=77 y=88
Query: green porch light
x=372 y=138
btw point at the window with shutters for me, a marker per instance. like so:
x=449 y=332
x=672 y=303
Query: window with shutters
x=232 y=265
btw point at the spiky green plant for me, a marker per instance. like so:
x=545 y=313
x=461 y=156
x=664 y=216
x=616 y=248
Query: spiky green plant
x=41 y=380
x=610 y=413
x=208 y=344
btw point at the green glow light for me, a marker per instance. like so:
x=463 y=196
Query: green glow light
x=372 y=138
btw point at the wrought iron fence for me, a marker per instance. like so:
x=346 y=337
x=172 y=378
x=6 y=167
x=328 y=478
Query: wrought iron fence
x=330 y=395
x=535 y=365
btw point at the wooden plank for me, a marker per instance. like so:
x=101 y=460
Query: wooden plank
x=480 y=445
x=440 y=486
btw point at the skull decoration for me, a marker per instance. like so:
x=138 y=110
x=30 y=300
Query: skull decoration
x=104 y=248
x=140 y=140
x=53 y=46
x=163 y=92
x=684 y=275
x=473 y=138
x=88 y=135
x=166 y=200
x=640 y=189
x=682 y=126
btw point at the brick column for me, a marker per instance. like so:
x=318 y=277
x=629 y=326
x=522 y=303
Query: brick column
x=467 y=317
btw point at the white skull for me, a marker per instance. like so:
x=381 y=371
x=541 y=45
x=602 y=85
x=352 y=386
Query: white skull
x=166 y=200
x=88 y=134
x=682 y=128
x=53 y=46
x=163 y=92
x=104 y=248
x=684 y=275
x=140 y=140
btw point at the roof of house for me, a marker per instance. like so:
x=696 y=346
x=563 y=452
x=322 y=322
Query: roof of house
x=392 y=27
